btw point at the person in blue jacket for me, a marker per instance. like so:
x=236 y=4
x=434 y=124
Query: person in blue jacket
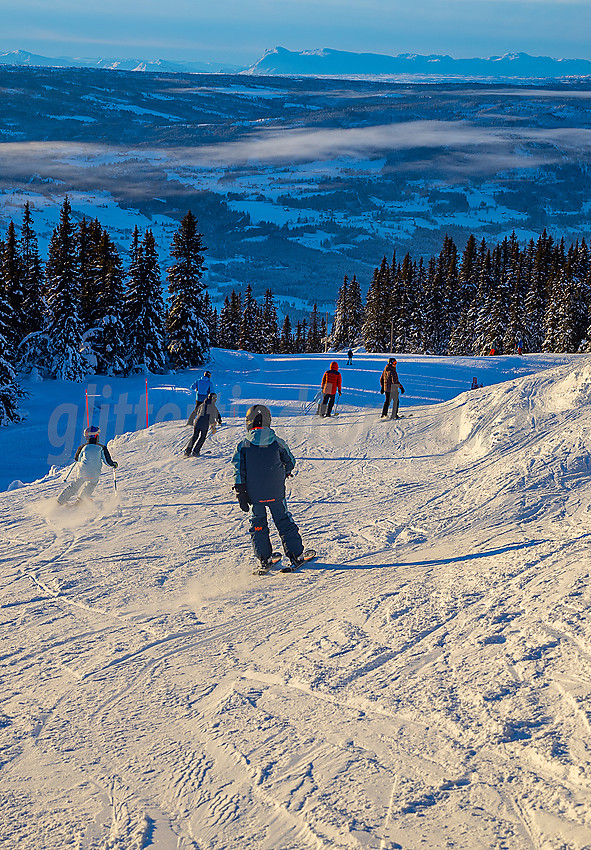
x=262 y=462
x=203 y=388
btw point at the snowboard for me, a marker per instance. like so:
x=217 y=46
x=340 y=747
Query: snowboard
x=308 y=556
x=259 y=570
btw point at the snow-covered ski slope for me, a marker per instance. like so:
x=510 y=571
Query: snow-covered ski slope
x=425 y=683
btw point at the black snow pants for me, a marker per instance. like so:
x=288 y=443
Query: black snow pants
x=285 y=524
x=327 y=404
x=200 y=429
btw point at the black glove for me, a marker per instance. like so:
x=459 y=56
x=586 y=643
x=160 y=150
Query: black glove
x=288 y=474
x=115 y=464
x=402 y=390
x=242 y=496
x=382 y=390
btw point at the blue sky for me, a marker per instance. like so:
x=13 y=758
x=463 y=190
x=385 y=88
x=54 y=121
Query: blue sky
x=239 y=32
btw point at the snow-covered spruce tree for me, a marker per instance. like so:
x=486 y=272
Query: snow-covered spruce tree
x=88 y=237
x=62 y=287
x=269 y=326
x=434 y=318
x=110 y=346
x=377 y=327
x=144 y=313
x=230 y=320
x=210 y=314
x=10 y=391
x=514 y=286
x=11 y=280
x=355 y=312
x=313 y=339
x=339 y=334
x=188 y=334
x=537 y=294
x=286 y=343
x=249 y=337
x=32 y=272
x=462 y=336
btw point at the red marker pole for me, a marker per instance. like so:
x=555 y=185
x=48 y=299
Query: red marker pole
x=146 y=402
x=87 y=416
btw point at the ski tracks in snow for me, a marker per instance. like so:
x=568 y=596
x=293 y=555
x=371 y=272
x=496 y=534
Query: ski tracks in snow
x=425 y=682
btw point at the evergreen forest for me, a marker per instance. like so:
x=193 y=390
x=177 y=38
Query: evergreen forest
x=87 y=311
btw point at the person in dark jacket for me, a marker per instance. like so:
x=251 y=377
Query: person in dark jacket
x=207 y=414
x=331 y=384
x=262 y=462
x=389 y=386
x=350 y=357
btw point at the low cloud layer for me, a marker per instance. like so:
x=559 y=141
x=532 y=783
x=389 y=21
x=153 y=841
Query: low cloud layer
x=461 y=145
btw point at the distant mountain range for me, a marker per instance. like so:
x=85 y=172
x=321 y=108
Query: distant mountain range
x=326 y=62
x=23 y=57
x=338 y=63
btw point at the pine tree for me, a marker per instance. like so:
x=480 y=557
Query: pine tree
x=187 y=331
x=355 y=312
x=269 y=326
x=210 y=314
x=377 y=330
x=313 y=341
x=10 y=391
x=286 y=344
x=230 y=321
x=62 y=284
x=144 y=313
x=339 y=335
x=88 y=239
x=249 y=337
x=32 y=272
x=11 y=281
x=109 y=309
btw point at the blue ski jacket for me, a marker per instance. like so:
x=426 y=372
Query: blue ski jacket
x=203 y=387
x=262 y=461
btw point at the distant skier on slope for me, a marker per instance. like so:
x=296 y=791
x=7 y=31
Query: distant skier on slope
x=207 y=414
x=350 y=357
x=389 y=386
x=89 y=459
x=331 y=384
x=203 y=387
x=262 y=462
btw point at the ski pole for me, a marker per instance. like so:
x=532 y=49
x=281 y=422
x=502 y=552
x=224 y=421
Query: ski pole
x=115 y=478
x=69 y=472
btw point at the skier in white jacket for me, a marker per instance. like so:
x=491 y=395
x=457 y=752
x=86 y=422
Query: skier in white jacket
x=89 y=459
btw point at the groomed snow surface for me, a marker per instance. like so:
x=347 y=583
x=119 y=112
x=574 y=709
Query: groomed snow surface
x=425 y=683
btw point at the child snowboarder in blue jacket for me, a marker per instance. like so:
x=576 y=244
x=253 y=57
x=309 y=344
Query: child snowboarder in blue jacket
x=262 y=462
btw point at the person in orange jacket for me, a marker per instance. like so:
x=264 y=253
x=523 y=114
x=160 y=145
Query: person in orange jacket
x=331 y=384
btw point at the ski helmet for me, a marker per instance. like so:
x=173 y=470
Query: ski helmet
x=334 y=365
x=207 y=374
x=392 y=360
x=92 y=431
x=258 y=416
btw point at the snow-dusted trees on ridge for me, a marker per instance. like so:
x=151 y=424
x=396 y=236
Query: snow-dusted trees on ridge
x=496 y=296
